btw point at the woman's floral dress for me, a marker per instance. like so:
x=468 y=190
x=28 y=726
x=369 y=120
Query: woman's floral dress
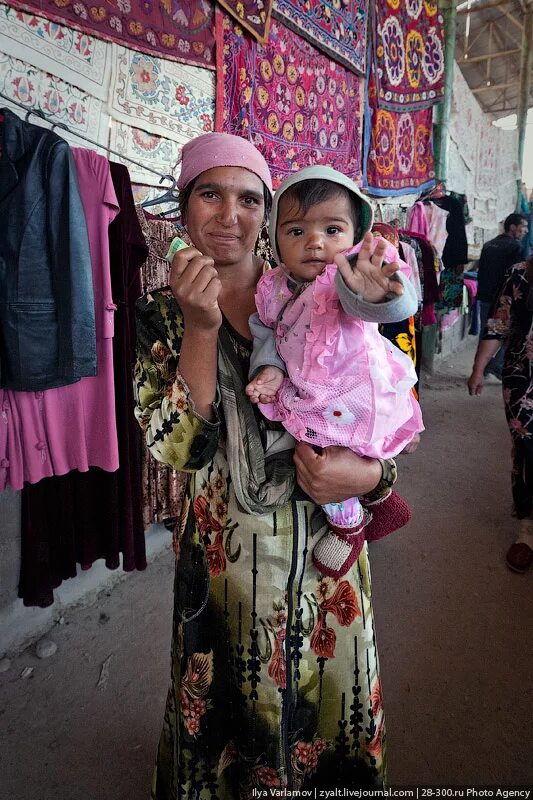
x=511 y=319
x=275 y=678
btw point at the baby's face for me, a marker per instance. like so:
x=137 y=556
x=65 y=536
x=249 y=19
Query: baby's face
x=307 y=242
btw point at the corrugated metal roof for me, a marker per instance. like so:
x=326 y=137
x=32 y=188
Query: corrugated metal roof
x=488 y=46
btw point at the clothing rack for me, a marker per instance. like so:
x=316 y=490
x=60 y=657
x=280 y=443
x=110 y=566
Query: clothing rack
x=64 y=127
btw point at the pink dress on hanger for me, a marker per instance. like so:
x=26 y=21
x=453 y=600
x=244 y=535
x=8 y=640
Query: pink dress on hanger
x=346 y=384
x=72 y=427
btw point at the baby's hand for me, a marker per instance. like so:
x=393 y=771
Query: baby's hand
x=264 y=387
x=369 y=276
x=413 y=444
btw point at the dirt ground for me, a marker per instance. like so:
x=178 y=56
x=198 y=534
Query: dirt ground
x=453 y=626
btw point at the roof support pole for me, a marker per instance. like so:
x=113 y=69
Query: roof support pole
x=449 y=11
x=526 y=63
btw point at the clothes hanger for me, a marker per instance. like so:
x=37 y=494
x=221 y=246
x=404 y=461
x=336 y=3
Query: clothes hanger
x=436 y=192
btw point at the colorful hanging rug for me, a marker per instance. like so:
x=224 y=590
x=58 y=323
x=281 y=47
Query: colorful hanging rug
x=295 y=104
x=408 y=54
x=252 y=15
x=68 y=54
x=398 y=149
x=161 y=97
x=181 y=30
x=56 y=98
x=147 y=150
x=339 y=29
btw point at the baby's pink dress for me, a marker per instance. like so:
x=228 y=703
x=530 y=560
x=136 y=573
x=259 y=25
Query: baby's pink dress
x=346 y=384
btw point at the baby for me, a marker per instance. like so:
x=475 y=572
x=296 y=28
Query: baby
x=319 y=364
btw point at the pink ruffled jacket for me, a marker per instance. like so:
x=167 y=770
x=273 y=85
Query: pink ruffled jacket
x=346 y=384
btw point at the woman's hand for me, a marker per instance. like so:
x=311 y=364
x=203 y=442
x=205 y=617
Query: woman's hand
x=335 y=474
x=475 y=383
x=196 y=286
x=369 y=276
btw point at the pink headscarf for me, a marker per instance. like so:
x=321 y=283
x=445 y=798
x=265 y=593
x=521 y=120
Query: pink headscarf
x=221 y=150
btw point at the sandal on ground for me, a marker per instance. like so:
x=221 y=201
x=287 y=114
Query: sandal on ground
x=339 y=548
x=388 y=514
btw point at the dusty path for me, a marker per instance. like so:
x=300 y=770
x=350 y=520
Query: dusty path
x=453 y=625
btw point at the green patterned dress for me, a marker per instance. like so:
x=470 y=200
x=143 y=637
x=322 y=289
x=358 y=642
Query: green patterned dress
x=275 y=677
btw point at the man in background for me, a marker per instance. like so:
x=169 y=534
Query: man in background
x=497 y=256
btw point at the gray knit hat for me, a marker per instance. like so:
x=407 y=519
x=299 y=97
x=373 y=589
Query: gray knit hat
x=326 y=174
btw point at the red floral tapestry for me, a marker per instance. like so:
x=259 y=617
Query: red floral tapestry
x=254 y=15
x=295 y=104
x=181 y=30
x=408 y=54
x=398 y=149
x=338 y=29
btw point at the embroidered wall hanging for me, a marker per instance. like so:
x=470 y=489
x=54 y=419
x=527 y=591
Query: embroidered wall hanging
x=252 y=15
x=338 y=29
x=161 y=97
x=408 y=54
x=156 y=152
x=181 y=30
x=295 y=104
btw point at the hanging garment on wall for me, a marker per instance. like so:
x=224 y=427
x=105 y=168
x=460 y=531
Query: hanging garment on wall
x=296 y=116
x=417 y=220
x=163 y=489
x=455 y=253
x=183 y=33
x=65 y=53
x=409 y=256
x=252 y=15
x=47 y=325
x=338 y=29
x=161 y=97
x=437 y=219
x=73 y=427
x=408 y=54
x=398 y=149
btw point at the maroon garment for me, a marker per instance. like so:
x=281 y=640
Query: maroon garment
x=81 y=517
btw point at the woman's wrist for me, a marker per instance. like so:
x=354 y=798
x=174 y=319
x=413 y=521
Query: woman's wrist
x=389 y=476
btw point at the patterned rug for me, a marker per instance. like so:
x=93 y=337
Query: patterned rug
x=176 y=29
x=161 y=97
x=56 y=98
x=252 y=15
x=295 y=104
x=408 y=54
x=68 y=54
x=398 y=149
x=155 y=152
x=338 y=29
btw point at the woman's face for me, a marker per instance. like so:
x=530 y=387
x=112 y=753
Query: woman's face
x=225 y=212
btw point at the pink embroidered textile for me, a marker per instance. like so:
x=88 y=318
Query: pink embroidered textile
x=253 y=15
x=72 y=427
x=338 y=29
x=180 y=31
x=296 y=105
x=417 y=220
x=408 y=54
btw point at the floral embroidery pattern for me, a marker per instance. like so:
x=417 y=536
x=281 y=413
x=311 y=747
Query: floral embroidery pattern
x=344 y=607
x=211 y=511
x=161 y=97
x=177 y=30
x=338 y=29
x=408 y=55
x=194 y=687
x=253 y=15
x=145 y=148
x=296 y=105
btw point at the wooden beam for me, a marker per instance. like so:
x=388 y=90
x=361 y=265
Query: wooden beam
x=480 y=5
x=494 y=87
x=514 y=20
x=489 y=56
x=525 y=84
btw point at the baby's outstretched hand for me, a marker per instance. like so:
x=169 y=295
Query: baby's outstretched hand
x=369 y=276
x=264 y=387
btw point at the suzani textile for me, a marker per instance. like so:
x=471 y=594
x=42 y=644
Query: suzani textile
x=408 y=54
x=253 y=15
x=295 y=104
x=161 y=97
x=181 y=30
x=56 y=98
x=338 y=29
x=144 y=148
x=65 y=53
x=398 y=149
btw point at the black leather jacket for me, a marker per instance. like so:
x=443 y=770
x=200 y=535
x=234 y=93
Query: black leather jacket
x=47 y=327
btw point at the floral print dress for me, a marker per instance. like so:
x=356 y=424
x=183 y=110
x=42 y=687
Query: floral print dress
x=511 y=319
x=274 y=677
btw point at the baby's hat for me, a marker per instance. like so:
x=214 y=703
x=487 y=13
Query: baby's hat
x=325 y=174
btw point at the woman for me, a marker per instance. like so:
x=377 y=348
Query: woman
x=512 y=319
x=275 y=678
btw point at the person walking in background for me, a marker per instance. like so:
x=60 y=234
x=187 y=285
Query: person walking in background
x=497 y=256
